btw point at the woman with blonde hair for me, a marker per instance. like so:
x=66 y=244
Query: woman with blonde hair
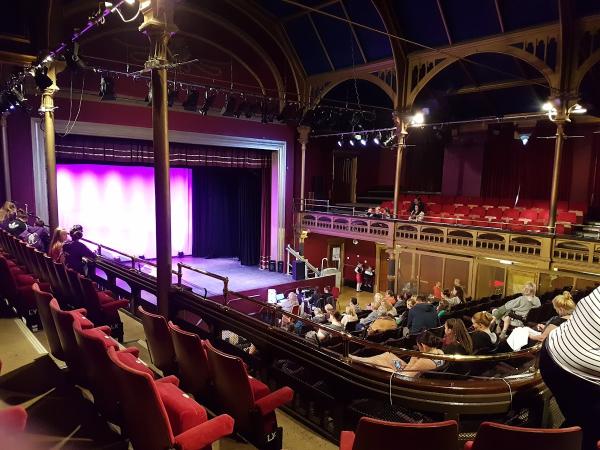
x=59 y=237
x=349 y=316
x=564 y=307
x=483 y=338
x=7 y=208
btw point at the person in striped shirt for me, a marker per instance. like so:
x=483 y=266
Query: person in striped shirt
x=570 y=367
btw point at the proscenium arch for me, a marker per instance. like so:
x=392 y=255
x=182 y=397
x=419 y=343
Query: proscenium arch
x=550 y=75
x=389 y=91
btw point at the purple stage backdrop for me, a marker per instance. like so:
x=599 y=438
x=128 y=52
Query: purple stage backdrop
x=115 y=205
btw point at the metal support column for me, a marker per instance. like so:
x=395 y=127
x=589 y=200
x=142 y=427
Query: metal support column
x=303 y=132
x=560 y=139
x=5 y=159
x=401 y=133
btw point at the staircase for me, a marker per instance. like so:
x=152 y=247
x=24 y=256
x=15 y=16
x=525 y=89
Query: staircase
x=311 y=271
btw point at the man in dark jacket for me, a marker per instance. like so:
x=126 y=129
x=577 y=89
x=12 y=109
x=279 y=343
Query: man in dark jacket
x=422 y=316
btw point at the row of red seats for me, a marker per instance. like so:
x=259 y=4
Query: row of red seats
x=373 y=433
x=580 y=207
x=513 y=219
x=153 y=412
x=21 y=265
x=12 y=422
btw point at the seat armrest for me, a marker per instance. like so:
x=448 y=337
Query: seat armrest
x=205 y=434
x=274 y=400
x=134 y=351
x=113 y=306
x=172 y=379
x=105 y=329
x=346 y=440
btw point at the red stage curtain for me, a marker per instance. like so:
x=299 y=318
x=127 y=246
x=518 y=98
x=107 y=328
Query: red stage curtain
x=265 y=220
x=511 y=169
x=76 y=148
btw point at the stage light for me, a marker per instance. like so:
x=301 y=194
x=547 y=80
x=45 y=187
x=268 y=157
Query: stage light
x=191 y=102
x=229 y=108
x=209 y=98
x=524 y=137
x=74 y=62
x=48 y=59
x=363 y=142
x=377 y=139
x=130 y=2
x=18 y=94
x=389 y=140
x=577 y=109
x=351 y=142
x=547 y=106
x=417 y=119
x=357 y=136
x=172 y=95
x=107 y=87
x=340 y=142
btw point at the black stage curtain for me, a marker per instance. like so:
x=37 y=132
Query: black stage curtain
x=226 y=213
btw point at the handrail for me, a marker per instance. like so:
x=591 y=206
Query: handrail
x=181 y=266
x=297 y=255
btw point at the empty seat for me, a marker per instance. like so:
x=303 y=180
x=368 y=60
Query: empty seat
x=158 y=415
x=42 y=300
x=495 y=436
x=248 y=400
x=378 y=434
x=159 y=341
x=192 y=362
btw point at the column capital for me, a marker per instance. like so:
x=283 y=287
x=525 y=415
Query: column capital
x=303 y=133
x=400 y=119
x=158 y=17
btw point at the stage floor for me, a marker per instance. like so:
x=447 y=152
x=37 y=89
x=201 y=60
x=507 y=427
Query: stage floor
x=241 y=278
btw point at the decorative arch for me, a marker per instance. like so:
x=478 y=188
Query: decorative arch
x=550 y=75
x=329 y=84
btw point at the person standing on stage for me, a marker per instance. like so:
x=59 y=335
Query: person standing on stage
x=358 y=270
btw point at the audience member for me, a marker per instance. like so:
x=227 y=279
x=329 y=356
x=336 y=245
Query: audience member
x=421 y=316
x=7 y=213
x=437 y=290
x=37 y=235
x=403 y=319
x=18 y=224
x=349 y=316
x=381 y=324
x=456 y=338
x=443 y=308
x=289 y=303
x=457 y=296
x=570 y=367
x=374 y=314
x=355 y=305
x=514 y=312
x=59 y=237
x=75 y=250
x=484 y=340
x=416 y=214
x=564 y=307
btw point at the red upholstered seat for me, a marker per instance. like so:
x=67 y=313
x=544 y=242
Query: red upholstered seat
x=462 y=211
x=42 y=300
x=16 y=287
x=158 y=415
x=511 y=215
x=248 y=400
x=495 y=436
x=12 y=423
x=192 y=362
x=377 y=434
x=160 y=344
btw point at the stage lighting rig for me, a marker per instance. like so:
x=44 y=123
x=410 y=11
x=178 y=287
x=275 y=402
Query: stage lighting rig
x=229 y=108
x=241 y=107
x=191 y=102
x=172 y=94
x=107 y=87
x=74 y=62
x=17 y=93
x=209 y=98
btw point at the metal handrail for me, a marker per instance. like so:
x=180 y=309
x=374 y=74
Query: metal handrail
x=181 y=266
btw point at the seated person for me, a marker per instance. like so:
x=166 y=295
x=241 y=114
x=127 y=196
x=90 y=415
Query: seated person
x=75 y=250
x=37 y=235
x=484 y=340
x=289 y=303
x=329 y=310
x=564 y=307
x=457 y=340
x=334 y=323
x=17 y=223
x=457 y=296
x=382 y=324
x=349 y=316
x=387 y=308
x=318 y=316
x=7 y=213
x=427 y=342
x=59 y=237
x=355 y=305
x=422 y=316
x=416 y=214
x=403 y=319
x=514 y=312
x=374 y=314
x=442 y=308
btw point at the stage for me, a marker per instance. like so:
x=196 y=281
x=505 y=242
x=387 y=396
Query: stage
x=241 y=278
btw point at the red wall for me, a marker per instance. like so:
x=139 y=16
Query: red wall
x=21 y=158
x=463 y=165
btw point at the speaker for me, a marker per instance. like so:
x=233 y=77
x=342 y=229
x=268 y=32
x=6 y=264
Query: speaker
x=272 y=265
x=298 y=270
x=280 y=266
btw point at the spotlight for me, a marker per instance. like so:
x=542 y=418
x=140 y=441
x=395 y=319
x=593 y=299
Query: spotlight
x=191 y=102
x=363 y=142
x=547 y=106
x=130 y=2
x=578 y=109
x=340 y=142
x=417 y=119
x=18 y=93
x=107 y=87
x=357 y=136
x=524 y=138
x=209 y=98
x=42 y=80
x=172 y=95
x=377 y=139
x=229 y=108
x=389 y=140
x=351 y=142
x=289 y=113
x=268 y=111
x=74 y=62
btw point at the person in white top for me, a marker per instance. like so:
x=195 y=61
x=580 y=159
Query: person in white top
x=570 y=367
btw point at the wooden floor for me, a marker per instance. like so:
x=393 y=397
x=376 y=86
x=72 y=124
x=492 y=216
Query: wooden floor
x=23 y=353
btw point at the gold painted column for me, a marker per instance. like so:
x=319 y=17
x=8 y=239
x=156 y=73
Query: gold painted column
x=560 y=139
x=47 y=108
x=5 y=158
x=391 y=270
x=303 y=132
x=401 y=132
x=158 y=26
